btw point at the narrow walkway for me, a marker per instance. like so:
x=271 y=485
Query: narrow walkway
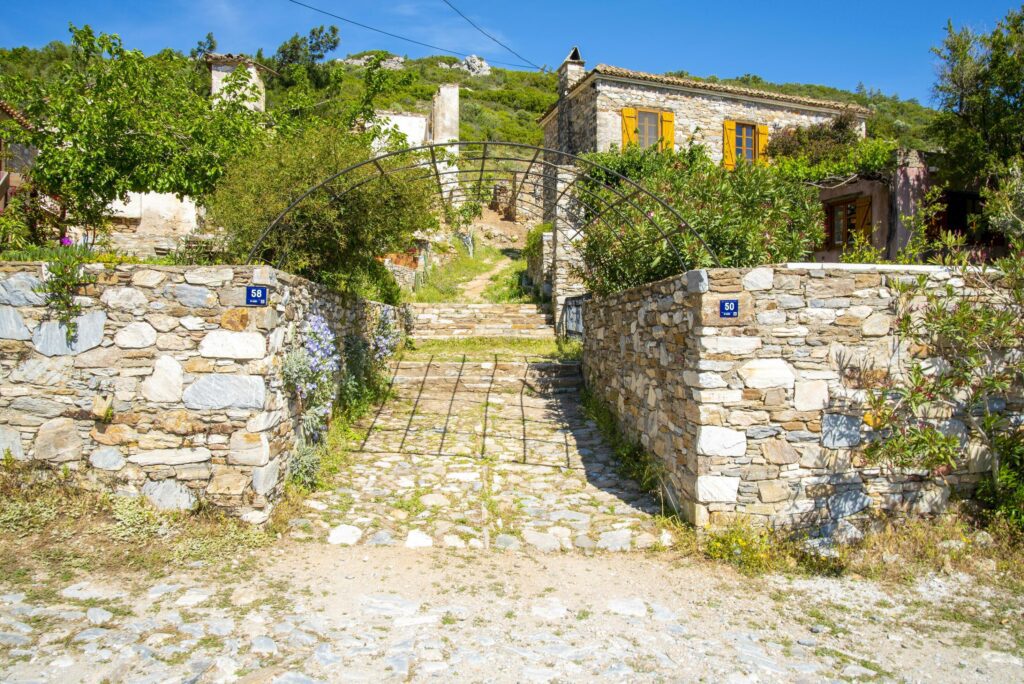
x=485 y=450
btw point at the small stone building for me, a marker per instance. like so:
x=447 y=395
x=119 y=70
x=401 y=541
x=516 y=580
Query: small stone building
x=609 y=107
x=14 y=158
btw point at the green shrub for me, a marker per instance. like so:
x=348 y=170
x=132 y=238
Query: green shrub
x=748 y=216
x=331 y=236
x=535 y=240
x=304 y=469
x=742 y=545
x=134 y=519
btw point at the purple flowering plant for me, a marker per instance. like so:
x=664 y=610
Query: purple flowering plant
x=311 y=371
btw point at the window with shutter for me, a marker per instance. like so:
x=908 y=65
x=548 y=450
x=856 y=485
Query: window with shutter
x=648 y=128
x=629 y=127
x=729 y=145
x=668 y=131
x=762 y=143
x=648 y=123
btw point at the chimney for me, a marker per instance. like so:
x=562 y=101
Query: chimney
x=571 y=72
x=444 y=114
x=222 y=66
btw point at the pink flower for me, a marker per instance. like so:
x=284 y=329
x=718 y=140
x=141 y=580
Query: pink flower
x=66 y=241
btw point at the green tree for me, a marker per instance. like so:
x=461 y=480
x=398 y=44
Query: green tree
x=966 y=374
x=113 y=121
x=981 y=95
x=304 y=54
x=205 y=46
x=331 y=236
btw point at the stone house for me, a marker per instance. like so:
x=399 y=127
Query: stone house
x=609 y=107
x=14 y=158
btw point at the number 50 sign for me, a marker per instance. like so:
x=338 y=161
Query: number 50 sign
x=729 y=308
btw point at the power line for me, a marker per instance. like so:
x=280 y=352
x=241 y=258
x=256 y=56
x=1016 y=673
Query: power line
x=395 y=35
x=481 y=30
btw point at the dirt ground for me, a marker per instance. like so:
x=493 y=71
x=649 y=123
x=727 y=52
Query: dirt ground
x=315 y=612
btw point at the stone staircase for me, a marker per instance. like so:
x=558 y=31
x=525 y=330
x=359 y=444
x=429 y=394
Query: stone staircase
x=448 y=320
x=481 y=450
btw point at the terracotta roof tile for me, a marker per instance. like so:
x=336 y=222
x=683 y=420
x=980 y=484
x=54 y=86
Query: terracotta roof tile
x=727 y=89
x=12 y=112
x=619 y=72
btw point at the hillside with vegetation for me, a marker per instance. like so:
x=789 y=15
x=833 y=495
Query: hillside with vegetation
x=502 y=105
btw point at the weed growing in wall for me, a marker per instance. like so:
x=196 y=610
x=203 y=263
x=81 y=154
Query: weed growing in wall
x=65 y=275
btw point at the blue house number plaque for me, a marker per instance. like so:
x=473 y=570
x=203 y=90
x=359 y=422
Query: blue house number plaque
x=255 y=295
x=729 y=308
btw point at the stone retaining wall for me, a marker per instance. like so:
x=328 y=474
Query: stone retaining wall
x=761 y=414
x=444 y=321
x=173 y=388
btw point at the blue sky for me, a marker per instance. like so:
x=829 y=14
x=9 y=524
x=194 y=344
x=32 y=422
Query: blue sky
x=884 y=44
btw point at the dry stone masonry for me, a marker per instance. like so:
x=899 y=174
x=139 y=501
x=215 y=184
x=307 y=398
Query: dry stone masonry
x=444 y=321
x=761 y=414
x=172 y=388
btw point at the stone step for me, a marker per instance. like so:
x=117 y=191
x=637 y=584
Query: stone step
x=439 y=321
x=412 y=387
x=477 y=368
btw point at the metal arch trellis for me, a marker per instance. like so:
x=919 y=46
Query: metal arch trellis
x=580 y=168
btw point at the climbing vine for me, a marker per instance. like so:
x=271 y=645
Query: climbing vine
x=65 y=276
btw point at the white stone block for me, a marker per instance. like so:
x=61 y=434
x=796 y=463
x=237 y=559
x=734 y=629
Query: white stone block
x=706 y=380
x=811 y=395
x=224 y=344
x=124 y=298
x=170 y=457
x=720 y=344
x=209 y=275
x=135 y=336
x=166 y=382
x=717 y=489
x=718 y=396
x=759 y=279
x=767 y=373
x=720 y=441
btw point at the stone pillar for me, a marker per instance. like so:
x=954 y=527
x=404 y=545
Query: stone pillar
x=222 y=66
x=566 y=259
x=444 y=116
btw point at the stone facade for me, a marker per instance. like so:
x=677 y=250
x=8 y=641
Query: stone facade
x=761 y=415
x=173 y=387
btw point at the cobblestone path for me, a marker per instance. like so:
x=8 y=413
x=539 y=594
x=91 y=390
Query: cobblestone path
x=490 y=451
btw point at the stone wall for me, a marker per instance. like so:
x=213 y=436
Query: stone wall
x=761 y=415
x=152 y=223
x=173 y=388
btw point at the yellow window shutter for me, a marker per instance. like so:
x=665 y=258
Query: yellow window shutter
x=629 y=126
x=863 y=218
x=668 y=131
x=729 y=145
x=762 y=143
